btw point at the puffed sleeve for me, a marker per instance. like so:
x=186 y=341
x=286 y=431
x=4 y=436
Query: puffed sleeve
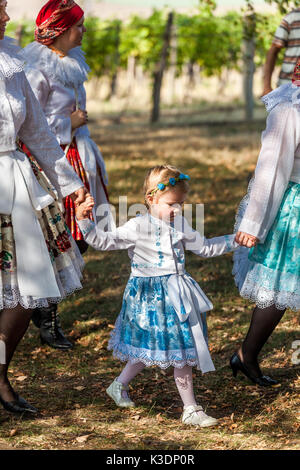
x=274 y=168
x=122 y=238
x=207 y=247
x=39 y=84
x=61 y=126
x=41 y=142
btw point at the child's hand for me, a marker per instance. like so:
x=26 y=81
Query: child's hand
x=244 y=239
x=84 y=210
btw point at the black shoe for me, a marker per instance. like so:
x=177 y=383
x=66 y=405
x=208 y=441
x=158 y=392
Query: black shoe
x=19 y=405
x=51 y=332
x=237 y=365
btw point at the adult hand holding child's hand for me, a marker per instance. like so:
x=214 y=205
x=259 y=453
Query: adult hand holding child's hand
x=84 y=209
x=244 y=239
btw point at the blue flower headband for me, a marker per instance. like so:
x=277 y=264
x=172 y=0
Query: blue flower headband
x=172 y=181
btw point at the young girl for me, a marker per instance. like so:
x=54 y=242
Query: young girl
x=162 y=317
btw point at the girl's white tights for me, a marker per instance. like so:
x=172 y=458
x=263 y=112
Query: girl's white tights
x=128 y=373
x=184 y=382
x=183 y=379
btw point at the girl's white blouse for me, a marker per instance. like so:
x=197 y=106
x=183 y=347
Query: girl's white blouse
x=155 y=247
x=278 y=162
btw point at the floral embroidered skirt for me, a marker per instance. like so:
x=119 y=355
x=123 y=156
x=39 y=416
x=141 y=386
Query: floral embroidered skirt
x=269 y=273
x=148 y=329
x=64 y=254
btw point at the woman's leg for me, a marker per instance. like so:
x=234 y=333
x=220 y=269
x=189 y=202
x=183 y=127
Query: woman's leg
x=263 y=323
x=13 y=325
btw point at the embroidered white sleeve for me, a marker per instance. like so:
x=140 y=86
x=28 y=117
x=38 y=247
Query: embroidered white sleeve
x=39 y=84
x=60 y=126
x=122 y=238
x=274 y=167
x=36 y=135
x=207 y=247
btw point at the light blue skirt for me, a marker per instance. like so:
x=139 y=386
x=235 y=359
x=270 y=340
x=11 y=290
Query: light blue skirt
x=148 y=329
x=269 y=274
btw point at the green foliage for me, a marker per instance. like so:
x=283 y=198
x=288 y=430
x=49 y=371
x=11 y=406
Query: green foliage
x=100 y=44
x=142 y=38
x=284 y=6
x=214 y=42
x=266 y=25
x=27 y=31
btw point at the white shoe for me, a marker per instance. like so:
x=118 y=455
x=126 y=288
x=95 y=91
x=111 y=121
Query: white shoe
x=190 y=415
x=115 y=392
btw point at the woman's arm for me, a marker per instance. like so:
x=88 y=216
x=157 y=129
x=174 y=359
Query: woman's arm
x=274 y=167
x=41 y=142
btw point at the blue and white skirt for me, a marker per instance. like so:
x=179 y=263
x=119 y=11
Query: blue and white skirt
x=269 y=274
x=148 y=329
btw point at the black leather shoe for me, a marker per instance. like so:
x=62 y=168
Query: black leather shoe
x=237 y=365
x=19 y=405
x=51 y=332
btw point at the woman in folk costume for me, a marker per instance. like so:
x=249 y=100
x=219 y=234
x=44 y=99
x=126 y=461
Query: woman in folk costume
x=39 y=261
x=56 y=70
x=269 y=274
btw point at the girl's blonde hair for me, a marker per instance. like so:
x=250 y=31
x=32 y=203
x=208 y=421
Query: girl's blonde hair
x=162 y=174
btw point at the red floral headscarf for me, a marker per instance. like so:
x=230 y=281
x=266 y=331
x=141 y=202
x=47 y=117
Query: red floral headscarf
x=56 y=17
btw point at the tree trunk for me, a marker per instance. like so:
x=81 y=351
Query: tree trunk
x=173 y=64
x=114 y=79
x=19 y=34
x=159 y=70
x=249 y=66
x=130 y=72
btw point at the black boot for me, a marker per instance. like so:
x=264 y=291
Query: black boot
x=51 y=333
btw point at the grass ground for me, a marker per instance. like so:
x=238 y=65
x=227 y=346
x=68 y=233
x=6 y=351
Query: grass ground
x=69 y=388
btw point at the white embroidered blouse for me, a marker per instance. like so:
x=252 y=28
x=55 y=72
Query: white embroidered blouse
x=21 y=116
x=155 y=247
x=58 y=84
x=21 y=195
x=54 y=81
x=278 y=161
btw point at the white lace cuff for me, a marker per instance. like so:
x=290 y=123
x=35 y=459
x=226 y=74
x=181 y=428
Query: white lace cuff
x=252 y=228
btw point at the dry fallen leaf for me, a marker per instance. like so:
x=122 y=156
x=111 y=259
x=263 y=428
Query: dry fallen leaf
x=177 y=410
x=79 y=388
x=82 y=438
x=21 y=378
x=13 y=432
x=136 y=417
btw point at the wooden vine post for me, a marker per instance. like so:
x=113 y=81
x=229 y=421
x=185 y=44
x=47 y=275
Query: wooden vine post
x=160 y=69
x=249 y=44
